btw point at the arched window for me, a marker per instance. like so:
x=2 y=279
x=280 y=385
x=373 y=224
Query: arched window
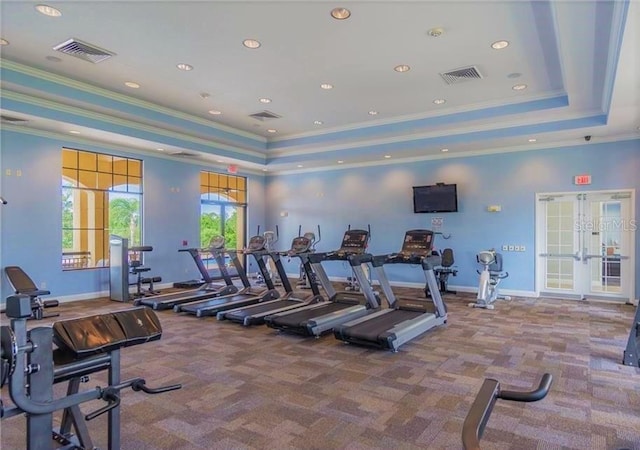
x=223 y=205
x=101 y=195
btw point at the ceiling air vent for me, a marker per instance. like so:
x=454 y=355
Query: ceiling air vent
x=83 y=50
x=184 y=154
x=12 y=120
x=462 y=74
x=265 y=115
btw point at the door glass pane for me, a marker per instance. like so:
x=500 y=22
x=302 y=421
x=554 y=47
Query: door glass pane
x=559 y=271
x=604 y=237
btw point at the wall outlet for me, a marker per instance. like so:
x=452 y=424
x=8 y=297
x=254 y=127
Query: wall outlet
x=43 y=285
x=505 y=248
x=516 y=248
x=522 y=248
x=512 y=248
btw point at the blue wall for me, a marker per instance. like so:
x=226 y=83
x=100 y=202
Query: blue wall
x=377 y=195
x=31 y=225
x=382 y=196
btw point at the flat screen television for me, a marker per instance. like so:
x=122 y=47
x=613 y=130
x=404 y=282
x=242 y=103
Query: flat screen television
x=437 y=198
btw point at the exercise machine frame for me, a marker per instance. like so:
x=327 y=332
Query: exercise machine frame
x=28 y=364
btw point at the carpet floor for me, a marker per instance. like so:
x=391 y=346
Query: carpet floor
x=255 y=388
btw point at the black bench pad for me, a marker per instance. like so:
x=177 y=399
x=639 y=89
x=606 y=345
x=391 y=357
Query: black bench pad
x=87 y=336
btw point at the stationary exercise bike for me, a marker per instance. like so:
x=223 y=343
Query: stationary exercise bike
x=490 y=278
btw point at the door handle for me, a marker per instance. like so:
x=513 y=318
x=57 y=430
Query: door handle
x=562 y=255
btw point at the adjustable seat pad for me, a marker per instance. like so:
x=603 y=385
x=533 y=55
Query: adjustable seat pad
x=87 y=336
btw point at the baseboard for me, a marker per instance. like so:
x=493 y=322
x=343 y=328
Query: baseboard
x=101 y=294
x=465 y=289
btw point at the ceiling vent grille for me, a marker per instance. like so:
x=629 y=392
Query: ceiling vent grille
x=462 y=74
x=265 y=115
x=184 y=154
x=12 y=120
x=83 y=50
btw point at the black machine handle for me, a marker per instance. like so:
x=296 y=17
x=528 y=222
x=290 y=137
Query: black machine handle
x=110 y=395
x=140 y=385
x=532 y=396
x=478 y=415
x=141 y=248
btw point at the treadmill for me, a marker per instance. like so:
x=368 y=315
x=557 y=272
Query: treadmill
x=208 y=290
x=316 y=319
x=255 y=314
x=247 y=296
x=407 y=317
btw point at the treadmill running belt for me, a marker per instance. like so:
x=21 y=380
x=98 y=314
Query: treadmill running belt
x=168 y=301
x=371 y=329
x=193 y=307
x=297 y=318
x=240 y=314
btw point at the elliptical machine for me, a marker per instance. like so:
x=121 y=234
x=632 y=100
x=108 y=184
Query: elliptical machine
x=490 y=278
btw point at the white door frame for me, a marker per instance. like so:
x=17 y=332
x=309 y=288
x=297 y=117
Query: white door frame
x=539 y=273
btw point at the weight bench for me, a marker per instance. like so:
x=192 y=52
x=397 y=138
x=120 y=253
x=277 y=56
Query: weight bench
x=84 y=346
x=136 y=268
x=23 y=284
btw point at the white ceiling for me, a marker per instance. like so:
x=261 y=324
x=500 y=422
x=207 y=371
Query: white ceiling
x=578 y=59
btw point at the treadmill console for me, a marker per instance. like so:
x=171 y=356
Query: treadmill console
x=256 y=243
x=216 y=243
x=354 y=242
x=300 y=244
x=417 y=243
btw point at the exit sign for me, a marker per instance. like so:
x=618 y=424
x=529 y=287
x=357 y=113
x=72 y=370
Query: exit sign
x=582 y=179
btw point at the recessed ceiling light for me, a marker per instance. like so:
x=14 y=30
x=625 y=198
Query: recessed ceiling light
x=131 y=84
x=514 y=75
x=4 y=42
x=318 y=122
x=215 y=112
x=402 y=68
x=54 y=59
x=264 y=170
x=251 y=43
x=204 y=95
x=519 y=87
x=532 y=140
x=499 y=45
x=300 y=165
x=439 y=101
x=74 y=132
x=265 y=100
x=373 y=113
x=184 y=66
x=219 y=160
x=340 y=13
x=326 y=86
x=435 y=32
x=271 y=130
x=160 y=149
x=444 y=150
x=340 y=161
x=387 y=156
x=48 y=10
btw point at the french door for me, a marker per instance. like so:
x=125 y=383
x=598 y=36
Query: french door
x=585 y=245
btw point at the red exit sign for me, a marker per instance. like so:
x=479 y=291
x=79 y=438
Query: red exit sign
x=582 y=179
